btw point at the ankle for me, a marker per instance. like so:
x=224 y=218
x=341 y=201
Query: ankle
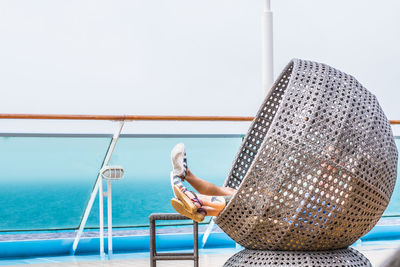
x=189 y=175
x=177 y=182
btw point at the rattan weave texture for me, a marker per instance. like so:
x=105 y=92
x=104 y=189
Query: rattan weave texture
x=330 y=258
x=317 y=167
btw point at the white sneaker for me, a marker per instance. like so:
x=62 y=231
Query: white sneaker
x=178 y=160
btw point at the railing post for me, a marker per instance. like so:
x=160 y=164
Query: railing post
x=109 y=218
x=101 y=219
x=88 y=208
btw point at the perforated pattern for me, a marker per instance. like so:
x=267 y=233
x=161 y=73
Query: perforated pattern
x=317 y=167
x=344 y=257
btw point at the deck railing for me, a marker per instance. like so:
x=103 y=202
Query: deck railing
x=124 y=117
x=131 y=117
x=97 y=189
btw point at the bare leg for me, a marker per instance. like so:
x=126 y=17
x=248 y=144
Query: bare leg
x=211 y=211
x=207 y=188
x=215 y=202
x=212 y=204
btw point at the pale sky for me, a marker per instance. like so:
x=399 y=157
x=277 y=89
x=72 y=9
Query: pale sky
x=180 y=57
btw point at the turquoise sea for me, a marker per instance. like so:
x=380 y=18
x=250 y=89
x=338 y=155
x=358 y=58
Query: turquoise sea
x=45 y=182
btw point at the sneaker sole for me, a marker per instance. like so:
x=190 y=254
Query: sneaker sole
x=190 y=206
x=180 y=208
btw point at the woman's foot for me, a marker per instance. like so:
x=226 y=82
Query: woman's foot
x=179 y=161
x=197 y=216
x=188 y=198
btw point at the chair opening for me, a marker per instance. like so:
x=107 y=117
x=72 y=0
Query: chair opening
x=258 y=129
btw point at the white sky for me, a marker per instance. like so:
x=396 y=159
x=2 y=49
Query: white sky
x=180 y=57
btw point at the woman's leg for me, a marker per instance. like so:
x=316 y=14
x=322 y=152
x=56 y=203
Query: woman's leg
x=211 y=211
x=212 y=204
x=207 y=188
x=216 y=202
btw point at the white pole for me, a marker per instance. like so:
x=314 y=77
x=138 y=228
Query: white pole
x=207 y=232
x=101 y=217
x=267 y=49
x=109 y=218
x=88 y=208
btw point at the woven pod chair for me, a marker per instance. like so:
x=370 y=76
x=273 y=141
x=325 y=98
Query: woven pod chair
x=317 y=167
x=330 y=258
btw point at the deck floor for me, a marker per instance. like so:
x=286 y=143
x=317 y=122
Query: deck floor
x=376 y=253
x=205 y=260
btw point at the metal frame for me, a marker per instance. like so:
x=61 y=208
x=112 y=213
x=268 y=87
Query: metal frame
x=155 y=256
x=109 y=218
x=98 y=187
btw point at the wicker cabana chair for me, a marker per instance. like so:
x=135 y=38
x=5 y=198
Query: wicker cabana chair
x=331 y=258
x=317 y=167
